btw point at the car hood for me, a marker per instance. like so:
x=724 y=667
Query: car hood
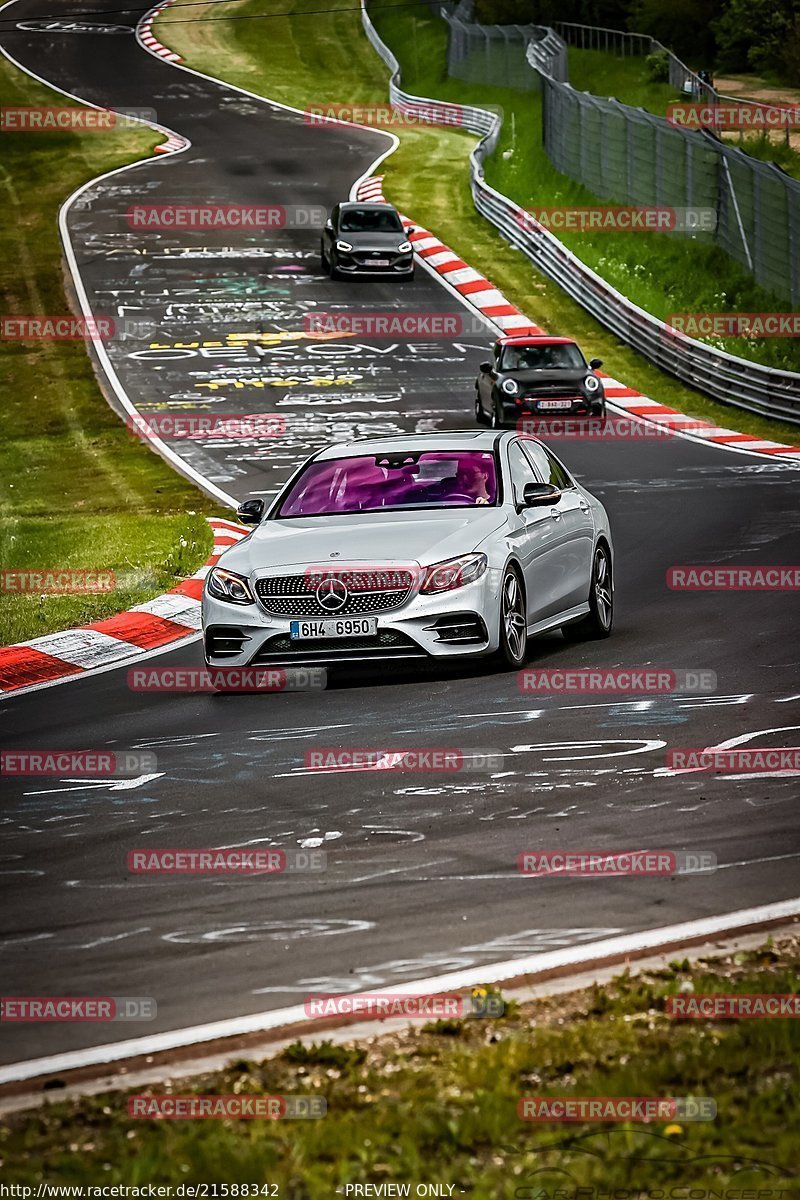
x=530 y=378
x=374 y=539
x=373 y=241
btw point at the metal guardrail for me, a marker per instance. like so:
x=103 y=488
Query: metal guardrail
x=723 y=376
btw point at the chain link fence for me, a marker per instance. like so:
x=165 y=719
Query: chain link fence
x=492 y=53
x=634 y=157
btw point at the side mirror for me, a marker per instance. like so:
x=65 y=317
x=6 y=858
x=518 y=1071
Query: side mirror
x=536 y=495
x=329 y=224
x=486 y=367
x=251 y=512
x=410 y=230
x=594 y=363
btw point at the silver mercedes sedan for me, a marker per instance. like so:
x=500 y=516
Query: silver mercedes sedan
x=430 y=546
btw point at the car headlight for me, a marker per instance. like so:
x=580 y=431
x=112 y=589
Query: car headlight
x=345 y=246
x=404 y=248
x=227 y=585
x=453 y=573
x=591 y=383
x=510 y=387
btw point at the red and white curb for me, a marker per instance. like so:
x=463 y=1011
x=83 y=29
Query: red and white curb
x=155 y=625
x=146 y=38
x=491 y=303
x=145 y=32
x=173 y=143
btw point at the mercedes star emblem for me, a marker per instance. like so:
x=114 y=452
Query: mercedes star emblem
x=332 y=595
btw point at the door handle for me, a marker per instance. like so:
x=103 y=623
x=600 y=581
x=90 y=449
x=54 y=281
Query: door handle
x=555 y=514
x=584 y=508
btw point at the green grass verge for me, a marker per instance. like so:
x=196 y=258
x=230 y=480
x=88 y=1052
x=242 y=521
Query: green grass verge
x=626 y=79
x=77 y=491
x=439 y=1104
x=327 y=57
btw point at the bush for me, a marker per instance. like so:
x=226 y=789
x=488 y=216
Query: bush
x=657 y=67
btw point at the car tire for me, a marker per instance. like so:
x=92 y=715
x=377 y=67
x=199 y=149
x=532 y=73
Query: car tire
x=326 y=266
x=513 y=648
x=480 y=415
x=600 y=620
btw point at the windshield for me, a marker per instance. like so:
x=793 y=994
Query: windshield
x=370 y=220
x=542 y=358
x=420 y=479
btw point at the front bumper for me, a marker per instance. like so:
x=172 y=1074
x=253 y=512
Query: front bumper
x=461 y=623
x=514 y=407
x=358 y=264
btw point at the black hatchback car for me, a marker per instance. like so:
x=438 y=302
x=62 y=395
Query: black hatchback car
x=366 y=239
x=537 y=374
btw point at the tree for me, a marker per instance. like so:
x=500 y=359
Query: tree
x=684 y=26
x=755 y=35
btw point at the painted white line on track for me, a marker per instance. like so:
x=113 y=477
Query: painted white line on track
x=530 y=965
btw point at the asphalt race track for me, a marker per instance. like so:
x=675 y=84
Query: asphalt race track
x=421 y=871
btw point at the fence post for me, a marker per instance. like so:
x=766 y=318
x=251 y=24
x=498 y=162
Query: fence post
x=735 y=203
x=792 y=210
x=757 y=206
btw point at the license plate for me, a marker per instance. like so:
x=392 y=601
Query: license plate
x=555 y=405
x=337 y=627
x=379 y=262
